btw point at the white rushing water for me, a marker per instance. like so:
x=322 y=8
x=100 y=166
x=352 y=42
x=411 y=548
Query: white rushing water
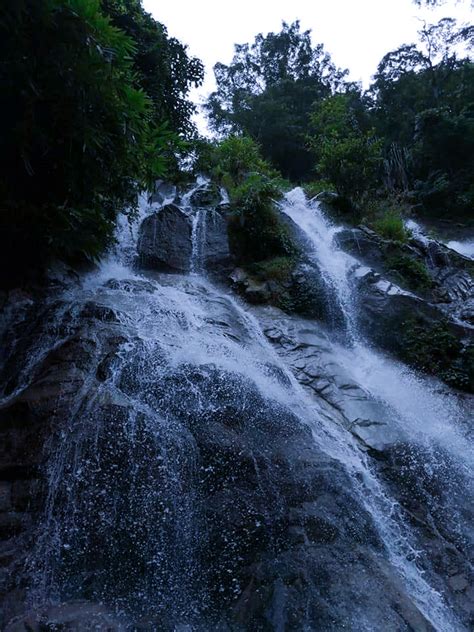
x=416 y=230
x=414 y=398
x=465 y=248
x=335 y=264
x=422 y=412
x=176 y=321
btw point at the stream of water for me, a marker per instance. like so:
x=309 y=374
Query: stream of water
x=171 y=333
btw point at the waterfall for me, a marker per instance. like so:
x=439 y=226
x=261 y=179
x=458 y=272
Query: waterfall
x=334 y=263
x=465 y=248
x=418 y=407
x=177 y=434
x=198 y=237
x=414 y=403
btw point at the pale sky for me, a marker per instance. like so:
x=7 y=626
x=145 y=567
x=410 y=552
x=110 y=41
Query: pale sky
x=357 y=33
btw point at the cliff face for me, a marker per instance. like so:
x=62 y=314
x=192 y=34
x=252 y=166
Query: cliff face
x=173 y=457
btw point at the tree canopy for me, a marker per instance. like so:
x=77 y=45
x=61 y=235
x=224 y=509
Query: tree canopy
x=347 y=151
x=423 y=103
x=88 y=119
x=163 y=67
x=410 y=135
x=268 y=91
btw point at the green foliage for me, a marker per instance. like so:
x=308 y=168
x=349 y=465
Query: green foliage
x=346 y=154
x=391 y=226
x=413 y=273
x=314 y=187
x=436 y=350
x=231 y=160
x=256 y=189
x=80 y=136
x=267 y=92
x=256 y=231
x=411 y=135
x=162 y=66
x=423 y=107
x=276 y=269
x=444 y=156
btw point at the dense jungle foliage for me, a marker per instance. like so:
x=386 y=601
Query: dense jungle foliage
x=408 y=139
x=94 y=107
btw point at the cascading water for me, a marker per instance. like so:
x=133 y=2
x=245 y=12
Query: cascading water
x=413 y=404
x=417 y=406
x=198 y=237
x=334 y=264
x=191 y=458
x=464 y=247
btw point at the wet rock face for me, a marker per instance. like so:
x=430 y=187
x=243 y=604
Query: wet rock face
x=424 y=480
x=362 y=243
x=384 y=308
x=273 y=505
x=164 y=241
x=216 y=255
x=424 y=493
x=206 y=196
x=70 y=617
x=156 y=470
x=179 y=492
x=438 y=274
x=37 y=391
x=299 y=290
x=306 y=350
x=416 y=302
x=163 y=191
x=193 y=238
x=424 y=334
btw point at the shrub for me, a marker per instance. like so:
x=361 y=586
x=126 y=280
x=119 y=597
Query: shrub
x=390 y=226
x=346 y=153
x=256 y=231
x=436 y=350
x=276 y=269
x=80 y=136
x=312 y=189
x=231 y=160
x=414 y=274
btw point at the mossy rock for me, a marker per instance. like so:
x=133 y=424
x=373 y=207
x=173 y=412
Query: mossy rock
x=435 y=349
x=259 y=235
x=275 y=269
x=410 y=273
x=286 y=283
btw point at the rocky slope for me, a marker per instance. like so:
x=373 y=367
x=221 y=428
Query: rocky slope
x=172 y=459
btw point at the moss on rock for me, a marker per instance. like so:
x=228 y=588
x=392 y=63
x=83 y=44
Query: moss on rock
x=256 y=231
x=436 y=350
x=412 y=273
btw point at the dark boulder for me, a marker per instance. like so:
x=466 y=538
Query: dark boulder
x=206 y=196
x=419 y=332
x=217 y=255
x=165 y=240
x=295 y=287
x=384 y=308
x=363 y=244
x=163 y=191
